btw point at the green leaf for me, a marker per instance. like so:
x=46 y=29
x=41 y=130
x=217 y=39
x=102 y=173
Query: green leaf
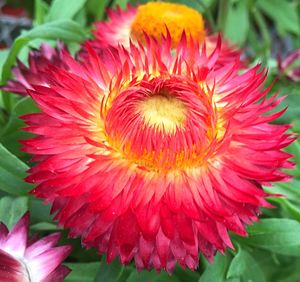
x=294 y=149
x=64 y=9
x=11 y=133
x=12 y=172
x=40 y=11
x=151 y=277
x=40 y=212
x=237 y=22
x=217 y=270
x=3 y=56
x=97 y=8
x=287 y=273
x=12 y=209
x=292 y=100
x=109 y=272
x=288 y=189
x=284 y=13
x=278 y=235
x=83 y=272
x=121 y=3
x=44 y=226
x=186 y=274
x=11 y=58
x=81 y=17
x=244 y=267
x=67 y=30
x=290 y=208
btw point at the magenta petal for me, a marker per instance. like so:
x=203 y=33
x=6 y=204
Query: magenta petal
x=17 y=238
x=41 y=246
x=294 y=75
x=3 y=233
x=42 y=265
x=290 y=59
x=11 y=270
x=58 y=274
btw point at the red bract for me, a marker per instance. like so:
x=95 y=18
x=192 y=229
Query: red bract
x=154 y=155
x=38 y=61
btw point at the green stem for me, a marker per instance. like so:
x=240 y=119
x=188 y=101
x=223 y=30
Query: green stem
x=223 y=13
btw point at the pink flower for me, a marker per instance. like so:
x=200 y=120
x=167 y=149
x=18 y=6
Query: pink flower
x=38 y=261
x=287 y=66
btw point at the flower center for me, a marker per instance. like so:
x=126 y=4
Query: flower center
x=163 y=112
x=153 y=18
x=161 y=125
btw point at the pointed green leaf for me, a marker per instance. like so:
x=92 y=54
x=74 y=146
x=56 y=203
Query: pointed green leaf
x=64 y=9
x=12 y=172
x=83 y=272
x=237 y=22
x=244 y=267
x=278 y=235
x=217 y=270
x=152 y=276
x=12 y=209
x=283 y=13
x=109 y=272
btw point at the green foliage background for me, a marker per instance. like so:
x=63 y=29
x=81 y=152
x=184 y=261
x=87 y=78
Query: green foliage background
x=262 y=28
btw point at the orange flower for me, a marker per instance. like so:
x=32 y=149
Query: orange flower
x=156 y=19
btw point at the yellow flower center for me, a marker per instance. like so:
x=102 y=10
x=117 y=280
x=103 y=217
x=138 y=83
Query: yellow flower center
x=164 y=112
x=153 y=18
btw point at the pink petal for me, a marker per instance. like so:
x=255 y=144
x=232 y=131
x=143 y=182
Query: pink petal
x=16 y=241
x=42 y=265
x=41 y=246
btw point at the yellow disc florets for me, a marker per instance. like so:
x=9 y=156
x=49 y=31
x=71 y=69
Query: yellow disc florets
x=153 y=18
x=164 y=112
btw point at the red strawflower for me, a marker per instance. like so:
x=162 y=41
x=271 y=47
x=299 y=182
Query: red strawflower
x=156 y=19
x=38 y=261
x=154 y=155
x=38 y=61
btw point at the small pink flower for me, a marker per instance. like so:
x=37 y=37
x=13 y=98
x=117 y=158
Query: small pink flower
x=22 y=260
x=287 y=66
